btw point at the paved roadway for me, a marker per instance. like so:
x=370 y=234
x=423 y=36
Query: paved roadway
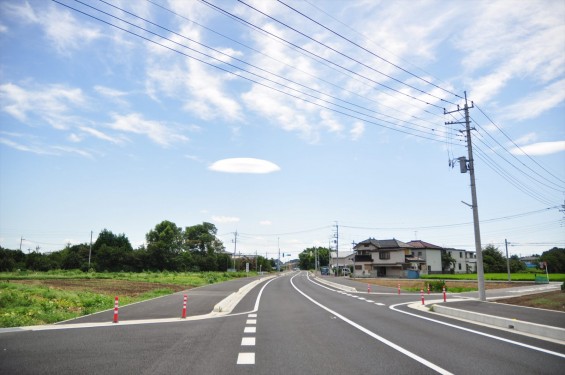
x=288 y=325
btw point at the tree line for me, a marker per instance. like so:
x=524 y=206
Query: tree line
x=168 y=248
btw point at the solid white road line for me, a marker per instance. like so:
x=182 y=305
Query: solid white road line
x=393 y=307
x=408 y=353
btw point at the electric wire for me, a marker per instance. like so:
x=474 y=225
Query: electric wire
x=213 y=6
x=296 y=68
x=375 y=55
x=518 y=147
x=255 y=81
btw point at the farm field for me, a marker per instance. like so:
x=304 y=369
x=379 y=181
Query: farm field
x=33 y=298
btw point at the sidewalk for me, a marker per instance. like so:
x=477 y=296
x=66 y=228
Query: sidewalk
x=544 y=323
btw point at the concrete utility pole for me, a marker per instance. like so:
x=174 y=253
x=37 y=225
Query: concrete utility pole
x=507 y=259
x=90 y=251
x=471 y=169
x=279 y=261
x=234 y=248
x=337 y=247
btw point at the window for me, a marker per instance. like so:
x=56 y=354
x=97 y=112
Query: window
x=384 y=255
x=419 y=253
x=460 y=255
x=459 y=266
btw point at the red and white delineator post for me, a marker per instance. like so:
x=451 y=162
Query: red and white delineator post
x=422 y=295
x=444 y=296
x=428 y=288
x=185 y=299
x=116 y=305
x=398 y=288
x=369 y=288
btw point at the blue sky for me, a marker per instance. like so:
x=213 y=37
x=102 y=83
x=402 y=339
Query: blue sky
x=100 y=128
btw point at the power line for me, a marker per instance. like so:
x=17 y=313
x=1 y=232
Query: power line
x=250 y=79
x=374 y=54
x=314 y=54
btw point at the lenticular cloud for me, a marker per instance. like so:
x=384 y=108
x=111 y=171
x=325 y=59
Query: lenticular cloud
x=244 y=165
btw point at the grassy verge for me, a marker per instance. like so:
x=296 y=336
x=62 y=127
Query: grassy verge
x=497 y=276
x=32 y=298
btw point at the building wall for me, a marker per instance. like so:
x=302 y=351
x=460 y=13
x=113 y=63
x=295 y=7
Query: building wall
x=396 y=256
x=433 y=260
x=461 y=261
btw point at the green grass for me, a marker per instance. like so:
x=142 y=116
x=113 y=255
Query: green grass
x=26 y=304
x=497 y=276
x=177 y=278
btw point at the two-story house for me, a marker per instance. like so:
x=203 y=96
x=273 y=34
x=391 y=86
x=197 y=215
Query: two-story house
x=430 y=254
x=383 y=258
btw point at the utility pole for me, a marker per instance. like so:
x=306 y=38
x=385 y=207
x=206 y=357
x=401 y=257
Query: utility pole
x=336 y=235
x=507 y=259
x=471 y=169
x=279 y=261
x=21 y=240
x=234 y=248
x=90 y=251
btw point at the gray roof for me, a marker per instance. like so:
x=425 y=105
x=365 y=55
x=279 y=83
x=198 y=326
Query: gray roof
x=384 y=244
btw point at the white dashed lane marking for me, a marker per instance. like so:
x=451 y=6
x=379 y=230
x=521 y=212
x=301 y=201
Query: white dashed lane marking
x=246 y=359
x=248 y=341
x=250 y=330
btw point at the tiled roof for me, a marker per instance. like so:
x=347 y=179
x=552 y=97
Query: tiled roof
x=423 y=245
x=384 y=244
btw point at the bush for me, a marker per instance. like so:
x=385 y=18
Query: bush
x=437 y=286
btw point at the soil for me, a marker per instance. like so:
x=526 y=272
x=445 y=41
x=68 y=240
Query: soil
x=103 y=286
x=550 y=300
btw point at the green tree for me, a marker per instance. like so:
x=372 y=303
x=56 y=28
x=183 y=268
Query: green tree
x=447 y=261
x=307 y=258
x=202 y=238
x=164 y=245
x=493 y=260
x=555 y=259
x=516 y=265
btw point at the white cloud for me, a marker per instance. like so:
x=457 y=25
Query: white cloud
x=49 y=102
x=21 y=147
x=265 y=222
x=244 y=165
x=527 y=138
x=225 y=219
x=100 y=135
x=64 y=31
x=541 y=148
x=113 y=94
x=536 y=103
x=357 y=130
x=3 y=28
x=156 y=131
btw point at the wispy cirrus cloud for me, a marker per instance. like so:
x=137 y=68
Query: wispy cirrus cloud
x=536 y=103
x=52 y=103
x=540 y=148
x=61 y=27
x=158 y=132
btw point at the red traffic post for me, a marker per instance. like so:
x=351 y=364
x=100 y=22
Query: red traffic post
x=116 y=305
x=398 y=288
x=422 y=294
x=368 y=288
x=444 y=296
x=185 y=299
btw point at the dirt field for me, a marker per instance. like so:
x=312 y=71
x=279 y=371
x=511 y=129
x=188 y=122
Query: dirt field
x=551 y=300
x=103 y=286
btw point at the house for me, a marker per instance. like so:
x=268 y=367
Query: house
x=346 y=260
x=394 y=258
x=384 y=258
x=460 y=258
x=431 y=254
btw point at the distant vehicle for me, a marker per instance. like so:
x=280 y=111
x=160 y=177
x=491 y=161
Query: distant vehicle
x=325 y=270
x=345 y=271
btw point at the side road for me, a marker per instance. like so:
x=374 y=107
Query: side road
x=202 y=300
x=543 y=323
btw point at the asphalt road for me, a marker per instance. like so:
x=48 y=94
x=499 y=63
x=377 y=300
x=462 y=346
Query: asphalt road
x=288 y=325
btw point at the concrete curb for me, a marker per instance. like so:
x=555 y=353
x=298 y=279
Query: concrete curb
x=336 y=285
x=517 y=325
x=226 y=305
